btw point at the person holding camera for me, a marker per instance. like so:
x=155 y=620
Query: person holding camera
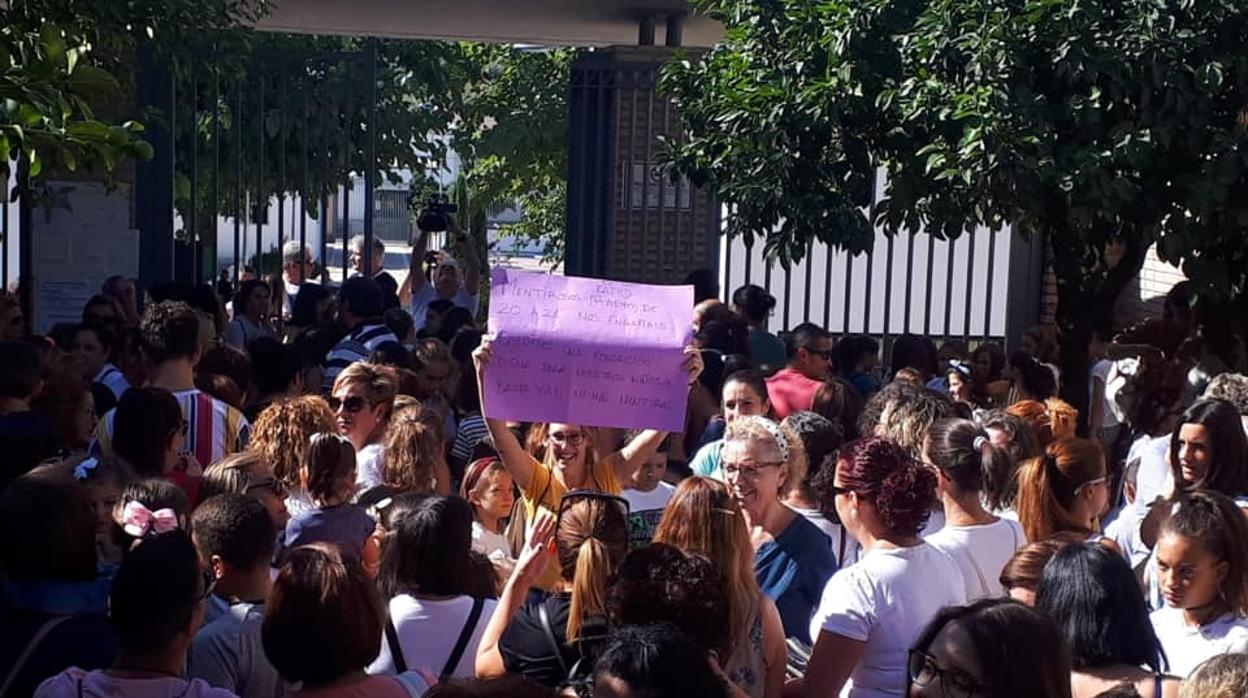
x=449 y=281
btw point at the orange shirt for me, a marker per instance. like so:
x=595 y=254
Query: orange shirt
x=791 y=391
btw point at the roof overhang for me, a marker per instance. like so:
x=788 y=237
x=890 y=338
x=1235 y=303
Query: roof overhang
x=542 y=22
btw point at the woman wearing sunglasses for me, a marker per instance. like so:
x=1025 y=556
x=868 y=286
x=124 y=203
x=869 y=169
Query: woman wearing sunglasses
x=1066 y=489
x=793 y=559
x=569 y=461
x=542 y=640
x=872 y=611
x=992 y=647
x=363 y=401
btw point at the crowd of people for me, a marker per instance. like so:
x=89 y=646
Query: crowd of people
x=292 y=490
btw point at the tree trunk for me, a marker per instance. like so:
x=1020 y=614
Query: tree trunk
x=1085 y=303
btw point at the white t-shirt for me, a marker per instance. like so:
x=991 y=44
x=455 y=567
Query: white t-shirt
x=656 y=498
x=645 y=509
x=1186 y=646
x=427 y=294
x=1153 y=479
x=980 y=553
x=368 y=462
x=1100 y=371
x=428 y=630
x=490 y=544
x=844 y=547
x=885 y=600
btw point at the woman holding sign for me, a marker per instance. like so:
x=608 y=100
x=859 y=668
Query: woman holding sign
x=570 y=462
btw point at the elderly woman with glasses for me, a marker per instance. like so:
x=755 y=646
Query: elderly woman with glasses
x=761 y=462
x=872 y=611
x=569 y=461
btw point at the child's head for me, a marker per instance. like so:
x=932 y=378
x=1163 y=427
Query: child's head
x=158 y=595
x=488 y=487
x=148 y=508
x=1202 y=553
x=104 y=480
x=428 y=551
x=234 y=534
x=652 y=470
x=148 y=430
x=57 y=539
x=247 y=473
x=413 y=449
x=328 y=475
x=435 y=368
x=19 y=370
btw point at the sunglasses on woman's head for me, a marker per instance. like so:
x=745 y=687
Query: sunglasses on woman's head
x=351 y=404
x=575 y=496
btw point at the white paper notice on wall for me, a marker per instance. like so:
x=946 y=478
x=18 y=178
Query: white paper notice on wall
x=75 y=250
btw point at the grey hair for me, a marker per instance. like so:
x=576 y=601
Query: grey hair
x=293 y=252
x=357 y=243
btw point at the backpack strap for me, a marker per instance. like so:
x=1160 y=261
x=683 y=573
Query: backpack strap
x=465 y=635
x=35 y=640
x=544 y=617
x=396 y=650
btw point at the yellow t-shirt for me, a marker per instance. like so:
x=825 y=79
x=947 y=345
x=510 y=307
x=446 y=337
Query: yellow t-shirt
x=545 y=492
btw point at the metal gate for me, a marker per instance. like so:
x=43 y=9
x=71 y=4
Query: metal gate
x=222 y=140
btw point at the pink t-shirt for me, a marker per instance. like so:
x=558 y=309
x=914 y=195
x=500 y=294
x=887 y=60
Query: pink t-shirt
x=791 y=391
x=97 y=684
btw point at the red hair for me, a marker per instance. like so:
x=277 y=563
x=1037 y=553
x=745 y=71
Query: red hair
x=902 y=490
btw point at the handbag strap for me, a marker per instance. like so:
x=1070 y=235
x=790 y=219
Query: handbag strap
x=48 y=626
x=464 y=636
x=544 y=617
x=396 y=650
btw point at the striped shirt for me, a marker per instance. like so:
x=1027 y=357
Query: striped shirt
x=214 y=430
x=111 y=377
x=356 y=346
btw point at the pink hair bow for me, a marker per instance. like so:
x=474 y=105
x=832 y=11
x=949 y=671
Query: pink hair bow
x=137 y=520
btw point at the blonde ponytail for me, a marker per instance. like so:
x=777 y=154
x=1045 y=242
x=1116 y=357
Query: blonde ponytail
x=589 y=585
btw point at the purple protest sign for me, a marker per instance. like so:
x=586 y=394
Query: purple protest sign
x=587 y=351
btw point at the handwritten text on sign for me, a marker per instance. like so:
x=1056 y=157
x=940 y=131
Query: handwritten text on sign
x=587 y=351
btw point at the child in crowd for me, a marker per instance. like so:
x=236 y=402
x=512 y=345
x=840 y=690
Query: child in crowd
x=1202 y=562
x=156 y=607
x=236 y=538
x=648 y=494
x=104 y=480
x=149 y=507
x=328 y=476
x=25 y=435
x=492 y=493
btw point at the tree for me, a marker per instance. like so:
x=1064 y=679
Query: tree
x=512 y=135
x=1085 y=123
x=63 y=76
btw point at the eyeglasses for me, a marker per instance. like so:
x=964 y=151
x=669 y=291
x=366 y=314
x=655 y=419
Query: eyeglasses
x=838 y=491
x=743 y=470
x=575 y=438
x=1091 y=483
x=575 y=496
x=264 y=483
x=352 y=404
x=923 y=670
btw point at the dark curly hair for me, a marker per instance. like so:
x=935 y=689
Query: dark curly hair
x=169 y=330
x=661 y=584
x=903 y=490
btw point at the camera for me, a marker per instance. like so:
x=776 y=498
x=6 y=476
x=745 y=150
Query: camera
x=432 y=218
